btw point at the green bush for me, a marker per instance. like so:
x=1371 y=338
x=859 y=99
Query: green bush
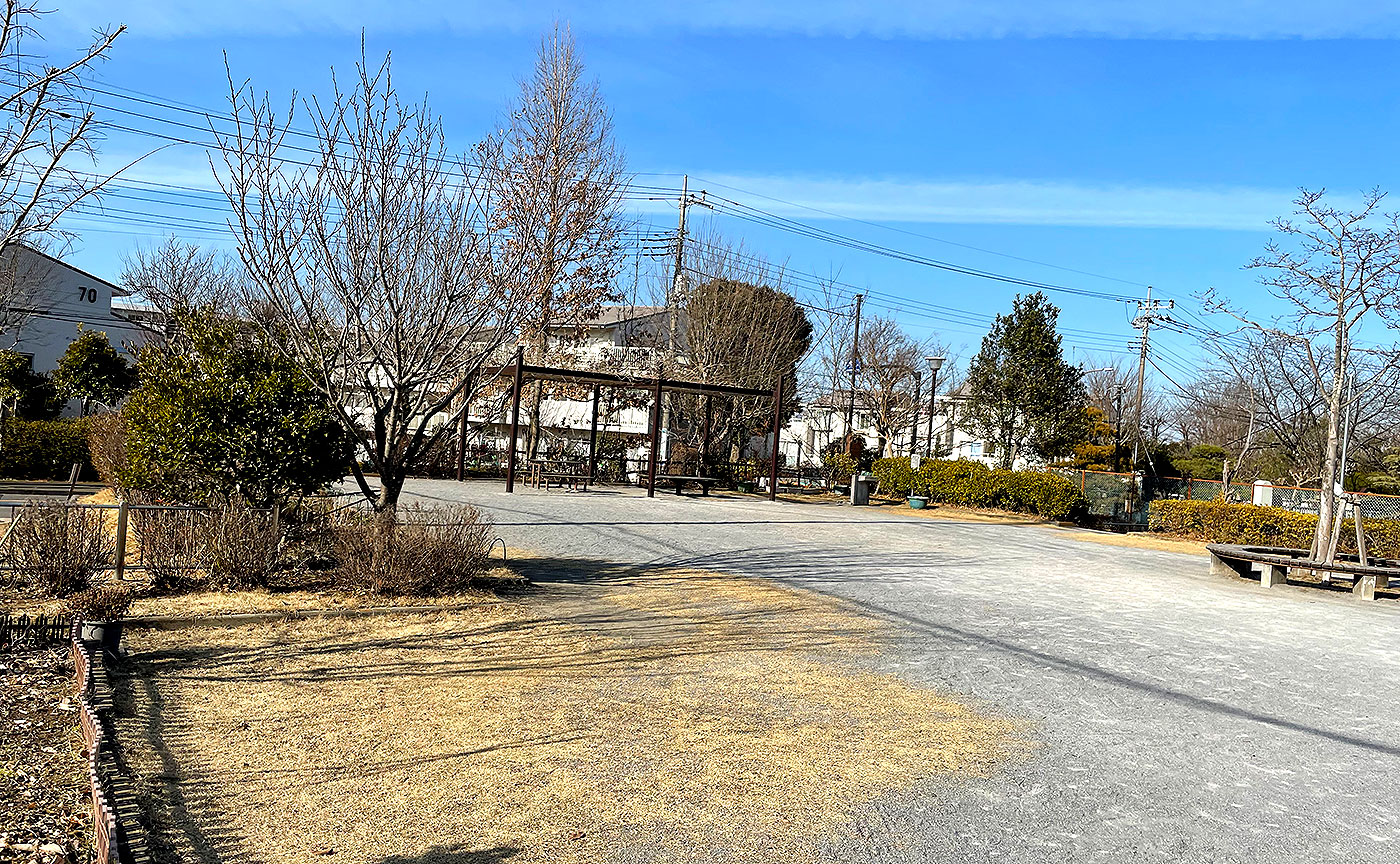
x=224 y=419
x=1248 y=525
x=44 y=449
x=971 y=484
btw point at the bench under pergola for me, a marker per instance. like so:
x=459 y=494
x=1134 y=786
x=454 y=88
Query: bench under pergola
x=522 y=372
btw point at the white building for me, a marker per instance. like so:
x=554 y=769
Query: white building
x=823 y=421
x=51 y=299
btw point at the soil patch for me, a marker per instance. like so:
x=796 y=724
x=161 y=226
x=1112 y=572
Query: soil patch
x=44 y=794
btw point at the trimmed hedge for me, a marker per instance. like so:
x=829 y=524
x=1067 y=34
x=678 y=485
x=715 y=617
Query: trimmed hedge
x=972 y=484
x=1248 y=525
x=45 y=449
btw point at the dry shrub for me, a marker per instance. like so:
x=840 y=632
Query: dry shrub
x=420 y=552
x=230 y=548
x=242 y=547
x=59 y=548
x=100 y=603
x=173 y=547
x=107 y=447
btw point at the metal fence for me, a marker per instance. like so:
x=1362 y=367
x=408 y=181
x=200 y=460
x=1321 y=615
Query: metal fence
x=183 y=537
x=1117 y=498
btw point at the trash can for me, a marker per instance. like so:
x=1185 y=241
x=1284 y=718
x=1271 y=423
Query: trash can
x=861 y=484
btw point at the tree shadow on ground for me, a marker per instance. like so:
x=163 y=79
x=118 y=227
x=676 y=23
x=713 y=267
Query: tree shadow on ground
x=455 y=854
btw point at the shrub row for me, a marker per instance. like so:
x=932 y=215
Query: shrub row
x=1248 y=525
x=45 y=449
x=972 y=484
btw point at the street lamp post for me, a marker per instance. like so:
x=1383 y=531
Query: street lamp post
x=934 y=364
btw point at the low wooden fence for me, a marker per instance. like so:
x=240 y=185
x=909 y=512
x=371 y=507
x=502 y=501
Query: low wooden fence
x=18 y=631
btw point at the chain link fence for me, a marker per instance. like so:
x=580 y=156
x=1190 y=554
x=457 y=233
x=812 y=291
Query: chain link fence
x=1117 y=498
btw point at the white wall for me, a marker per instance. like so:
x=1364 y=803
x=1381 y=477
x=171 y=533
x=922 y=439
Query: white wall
x=57 y=298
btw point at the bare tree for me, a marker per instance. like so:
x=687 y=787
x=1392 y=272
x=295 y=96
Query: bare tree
x=889 y=361
x=49 y=132
x=174 y=277
x=369 y=264
x=1339 y=269
x=557 y=179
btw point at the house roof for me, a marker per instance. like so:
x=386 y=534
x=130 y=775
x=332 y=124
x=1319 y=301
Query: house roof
x=117 y=290
x=610 y=316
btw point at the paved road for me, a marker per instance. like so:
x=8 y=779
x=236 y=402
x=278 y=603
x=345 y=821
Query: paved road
x=1184 y=717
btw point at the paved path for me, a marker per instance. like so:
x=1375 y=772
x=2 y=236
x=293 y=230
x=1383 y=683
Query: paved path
x=1184 y=717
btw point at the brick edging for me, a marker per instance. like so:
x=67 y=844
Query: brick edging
x=118 y=837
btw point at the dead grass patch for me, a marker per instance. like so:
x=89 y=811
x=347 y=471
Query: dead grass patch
x=677 y=717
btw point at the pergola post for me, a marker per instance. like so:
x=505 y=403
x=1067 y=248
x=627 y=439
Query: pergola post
x=515 y=415
x=705 y=439
x=655 y=440
x=593 y=439
x=462 y=430
x=777 y=420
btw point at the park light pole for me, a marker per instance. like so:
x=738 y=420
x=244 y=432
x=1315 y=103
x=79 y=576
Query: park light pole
x=934 y=364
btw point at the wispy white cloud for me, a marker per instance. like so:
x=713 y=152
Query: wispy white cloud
x=932 y=19
x=1010 y=202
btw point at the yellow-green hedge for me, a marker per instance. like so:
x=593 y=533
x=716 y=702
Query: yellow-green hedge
x=972 y=484
x=1248 y=525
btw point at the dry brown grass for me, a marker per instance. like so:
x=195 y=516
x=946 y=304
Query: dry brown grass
x=214 y=603
x=673 y=717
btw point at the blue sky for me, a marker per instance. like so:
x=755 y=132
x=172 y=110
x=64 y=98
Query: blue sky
x=1147 y=143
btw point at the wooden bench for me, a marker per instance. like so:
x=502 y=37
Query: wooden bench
x=1226 y=559
x=681 y=479
x=543 y=473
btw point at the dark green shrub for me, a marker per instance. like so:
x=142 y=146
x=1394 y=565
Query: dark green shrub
x=45 y=449
x=226 y=419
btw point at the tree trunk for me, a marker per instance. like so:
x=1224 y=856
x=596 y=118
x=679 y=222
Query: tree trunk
x=1326 y=499
x=390 y=485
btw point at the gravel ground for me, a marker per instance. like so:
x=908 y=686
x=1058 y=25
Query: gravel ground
x=1183 y=717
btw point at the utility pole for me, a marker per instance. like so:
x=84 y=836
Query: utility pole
x=1149 y=312
x=678 y=277
x=674 y=296
x=855 y=362
x=918 y=403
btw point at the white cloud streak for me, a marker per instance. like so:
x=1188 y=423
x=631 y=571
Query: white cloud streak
x=1012 y=202
x=930 y=19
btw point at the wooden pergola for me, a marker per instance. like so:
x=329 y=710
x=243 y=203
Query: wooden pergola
x=521 y=372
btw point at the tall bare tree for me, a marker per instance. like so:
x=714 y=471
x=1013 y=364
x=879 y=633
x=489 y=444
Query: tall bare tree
x=1340 y=270
x=557 y=178
x=369 y=264
x=48 y=139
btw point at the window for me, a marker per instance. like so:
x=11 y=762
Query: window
x=974 y=448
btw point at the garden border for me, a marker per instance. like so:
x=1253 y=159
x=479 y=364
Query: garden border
x=118 y=836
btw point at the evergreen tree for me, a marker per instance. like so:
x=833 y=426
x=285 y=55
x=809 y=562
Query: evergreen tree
x=91 y=370
x=1022 y=395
